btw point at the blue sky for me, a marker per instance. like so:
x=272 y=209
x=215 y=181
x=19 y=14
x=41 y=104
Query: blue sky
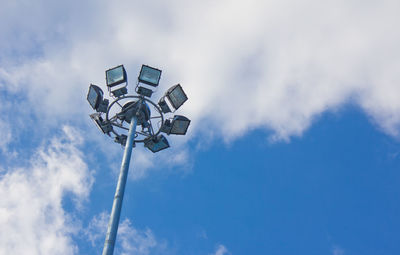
x=293 y=146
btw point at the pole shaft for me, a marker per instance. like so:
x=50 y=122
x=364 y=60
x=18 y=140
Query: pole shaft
x=119 y=192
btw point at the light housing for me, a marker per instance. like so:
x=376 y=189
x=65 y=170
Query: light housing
x=176 y=126
x=104 y=126
x=95 y=99
x=149 y=75
x=166 y=127
x=120 y=92
x=179 y=125
x=144 y=91
x=115 y=76
x=156 y=144
x=176 y=96
x=103 y=106
x=163 y=105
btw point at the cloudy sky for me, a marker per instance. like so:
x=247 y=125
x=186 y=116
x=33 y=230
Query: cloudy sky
x=294 y=145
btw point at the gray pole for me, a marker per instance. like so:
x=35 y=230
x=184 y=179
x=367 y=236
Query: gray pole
x=119 y=192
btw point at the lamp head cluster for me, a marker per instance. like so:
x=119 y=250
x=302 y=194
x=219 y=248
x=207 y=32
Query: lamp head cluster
x=116 y=121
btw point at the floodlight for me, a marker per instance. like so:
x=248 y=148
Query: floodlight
x=156 y=144
x=164 y=106
x=104 y=126
x=95 y=99
x=94 y=96
x=149 y=75
x=176 y=96
x=144 y=91
x=176 y=126
x=115 y=76
x=180 y=125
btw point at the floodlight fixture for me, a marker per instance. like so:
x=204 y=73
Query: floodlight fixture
x=144 y=91
x=115 y=76
x=94 y=96
x=95 y=99
x=176 y=126
x=164 y=106
x=179 y=125
x=176 y=96
x=156 y=143
x=149 y=75
x=104 y=126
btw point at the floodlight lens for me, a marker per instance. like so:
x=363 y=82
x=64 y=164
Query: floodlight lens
x=92 y=98
x=160 y=145
x=150 y=75
x=95 y=96
x=156 y=144
x=180 y=125
x=115 y=76
x=177 y=96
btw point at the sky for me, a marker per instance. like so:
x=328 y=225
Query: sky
x=293 y=147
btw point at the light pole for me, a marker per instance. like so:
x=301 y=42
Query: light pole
x=127 y=112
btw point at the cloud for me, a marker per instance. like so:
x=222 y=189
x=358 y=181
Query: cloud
x=134 y=241
x=221 y=250
x=129 y=241
x=273 y=64
x=32 y=217
x=337 y=251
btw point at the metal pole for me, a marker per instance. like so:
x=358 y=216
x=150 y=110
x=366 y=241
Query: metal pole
x=119 y=192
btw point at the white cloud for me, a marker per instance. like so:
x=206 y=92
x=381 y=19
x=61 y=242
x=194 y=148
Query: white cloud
x=96 y=229
x=270 y=64
x=32 y=217
x=129 y=240
x=134 y=241
x=221 y=250
x=337 y=251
